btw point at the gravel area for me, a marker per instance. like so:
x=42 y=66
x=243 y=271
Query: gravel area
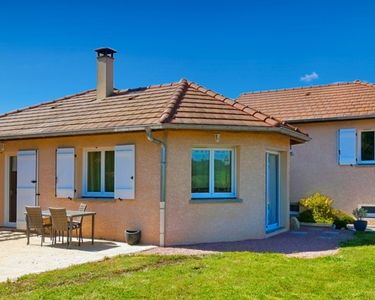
x=308 y=242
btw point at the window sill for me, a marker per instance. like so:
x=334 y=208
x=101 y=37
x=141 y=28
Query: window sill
x=88 y=198
x=360 y=163
x=215 y=200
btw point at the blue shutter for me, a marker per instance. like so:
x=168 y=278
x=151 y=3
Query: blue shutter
x=347 y=146
x=65 y=173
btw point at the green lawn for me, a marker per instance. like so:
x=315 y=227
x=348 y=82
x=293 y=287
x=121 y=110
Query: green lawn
x=348 y=275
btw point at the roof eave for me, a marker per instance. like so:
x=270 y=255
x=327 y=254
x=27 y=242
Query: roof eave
x=296 y=136
x=74 y=133
x=331 y=119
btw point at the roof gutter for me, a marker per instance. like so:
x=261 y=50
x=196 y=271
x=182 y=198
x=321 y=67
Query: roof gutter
x=331 y=119
x=297 y=136
x=163 y=164
x=75 y=132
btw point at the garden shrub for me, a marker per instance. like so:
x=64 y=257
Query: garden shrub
x=306 y=216
x=341 y=219
x=320 y=206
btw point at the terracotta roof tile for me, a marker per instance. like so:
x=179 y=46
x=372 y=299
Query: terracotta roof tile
x=333 y=101
x=182 y=102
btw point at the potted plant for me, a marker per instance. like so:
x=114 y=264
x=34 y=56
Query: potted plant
x=359 y=214
x=132 y=237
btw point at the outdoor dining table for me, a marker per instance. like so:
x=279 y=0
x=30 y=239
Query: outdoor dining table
x=71 y=214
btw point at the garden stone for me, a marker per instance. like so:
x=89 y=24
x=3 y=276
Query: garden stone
x=294 y=224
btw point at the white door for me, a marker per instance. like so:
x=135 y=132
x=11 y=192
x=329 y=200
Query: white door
x=272 y=191
x=26 y=183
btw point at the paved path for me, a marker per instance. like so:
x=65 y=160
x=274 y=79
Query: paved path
x=18 y=259
x=308 y=242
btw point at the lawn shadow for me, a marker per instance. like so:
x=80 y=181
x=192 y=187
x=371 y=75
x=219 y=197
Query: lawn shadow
x=360 y=239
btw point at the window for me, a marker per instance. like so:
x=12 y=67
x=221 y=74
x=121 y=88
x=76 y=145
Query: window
x=99 y=173
x=367 y=147
x=370 y=210
x=213 y=173
x=356 y=148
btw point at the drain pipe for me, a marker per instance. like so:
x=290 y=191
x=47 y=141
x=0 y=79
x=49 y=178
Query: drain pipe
x=163 y=155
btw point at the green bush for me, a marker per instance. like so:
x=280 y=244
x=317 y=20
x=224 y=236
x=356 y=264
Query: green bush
x=320 y=206
x=341 y=219
x=306 y=216
x=318 y=209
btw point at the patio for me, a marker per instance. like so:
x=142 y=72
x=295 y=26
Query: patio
x=18 y=259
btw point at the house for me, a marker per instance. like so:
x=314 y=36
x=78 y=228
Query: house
x=177 y=161
x=340 y=159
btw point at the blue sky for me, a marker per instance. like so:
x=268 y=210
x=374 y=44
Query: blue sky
x=46 y=47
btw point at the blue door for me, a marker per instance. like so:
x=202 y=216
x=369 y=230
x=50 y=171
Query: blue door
x=272 y=191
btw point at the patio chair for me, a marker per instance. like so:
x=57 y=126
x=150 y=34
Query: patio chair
x=60 y=224
x=77 y=223
x=36 y=222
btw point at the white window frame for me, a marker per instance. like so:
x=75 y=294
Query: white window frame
x=102 y=194
x=359 y=149
x=211 y=193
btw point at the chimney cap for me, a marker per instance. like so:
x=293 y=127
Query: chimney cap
x=105 y=51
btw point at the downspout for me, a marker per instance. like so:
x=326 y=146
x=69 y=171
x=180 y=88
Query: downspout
x=163 y=155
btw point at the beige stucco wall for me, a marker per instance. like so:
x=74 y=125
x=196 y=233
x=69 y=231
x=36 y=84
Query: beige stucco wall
x=186 y=222
x=113 y=216
x=192 y=222
x=314 y=167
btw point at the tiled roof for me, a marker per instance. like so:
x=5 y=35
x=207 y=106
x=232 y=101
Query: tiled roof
x=181 y=103
x=333 y=101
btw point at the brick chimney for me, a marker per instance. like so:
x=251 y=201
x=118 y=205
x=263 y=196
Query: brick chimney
x=104 y=76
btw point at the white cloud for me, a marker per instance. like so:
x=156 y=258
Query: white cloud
x=309 y=77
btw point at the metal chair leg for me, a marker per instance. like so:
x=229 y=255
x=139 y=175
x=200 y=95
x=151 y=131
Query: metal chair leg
x=79 y=236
